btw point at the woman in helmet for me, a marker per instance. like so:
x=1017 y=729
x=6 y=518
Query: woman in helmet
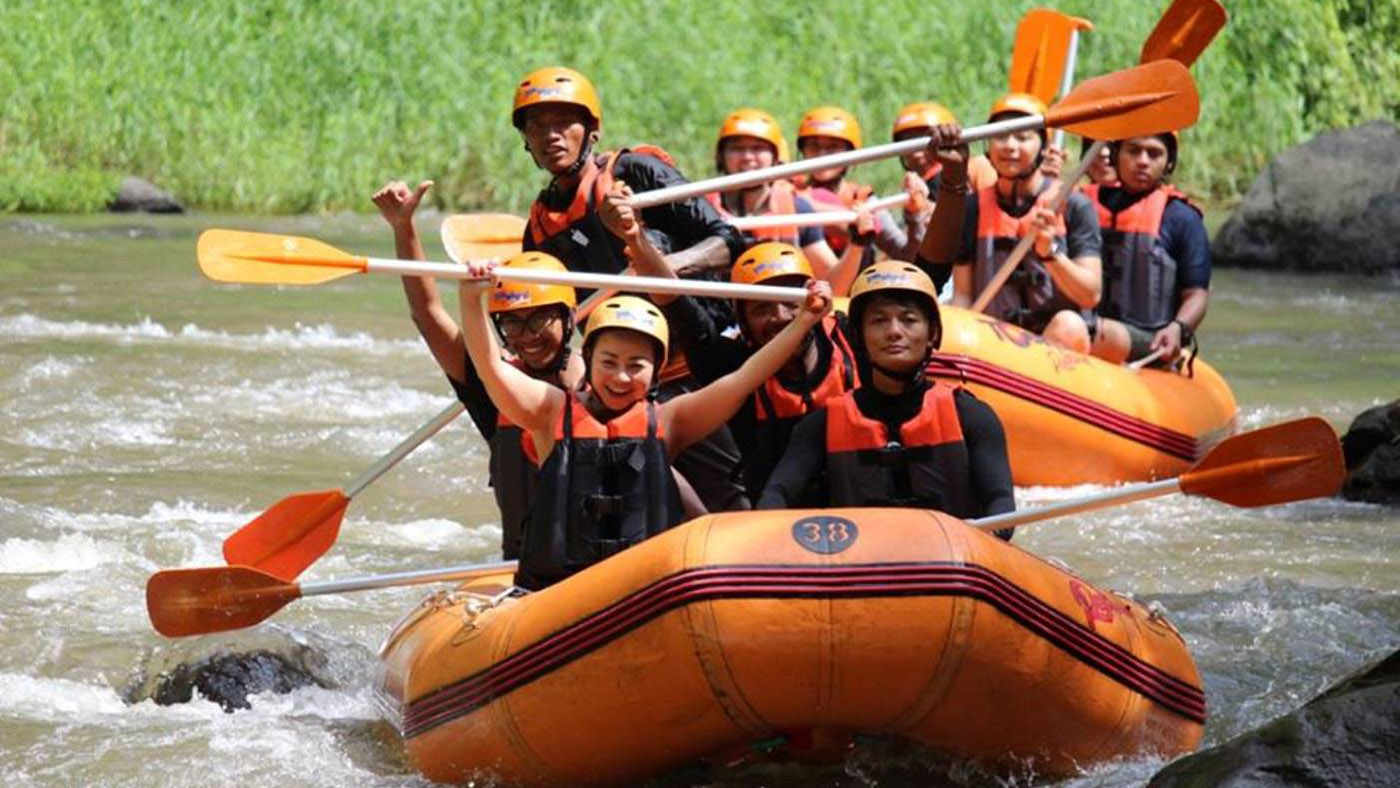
x=750 y=139
x=1060 y=277
x=1156 y=256
x=899 y=440
x=827 y=130
x=535 y=323
x=605 y=480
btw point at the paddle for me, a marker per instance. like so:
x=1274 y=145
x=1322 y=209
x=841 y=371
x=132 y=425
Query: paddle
x=287 y=538
x=1023 y=246
x=815 y=218
x=478 y=236
x=269 y=258
x=1145 y=99
x=1042 y=59
x=1184 y=31
x=1292 y=461
x=1286 y=462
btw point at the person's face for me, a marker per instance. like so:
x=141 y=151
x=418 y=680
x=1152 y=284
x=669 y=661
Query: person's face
x=1013 y=154
x=1141 y=163
x=535 y=335
x=742 y=154
x=555 y=134
x=896 y=334
x=812 y=147
x=918 y=161
x=622 y=366
x=1101 y=169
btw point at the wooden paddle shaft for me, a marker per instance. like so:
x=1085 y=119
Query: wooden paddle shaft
x=1136 y=492
x=740 y=180
x=418 y=577
x=816 y=218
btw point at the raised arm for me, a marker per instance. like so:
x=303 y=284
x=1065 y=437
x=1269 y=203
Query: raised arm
x=690 y=417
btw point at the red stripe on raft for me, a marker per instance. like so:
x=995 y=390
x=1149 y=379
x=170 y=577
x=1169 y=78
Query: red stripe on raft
x=880 y=580
x=1155 y=436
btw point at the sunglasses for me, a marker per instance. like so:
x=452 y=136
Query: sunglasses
x=514 y=325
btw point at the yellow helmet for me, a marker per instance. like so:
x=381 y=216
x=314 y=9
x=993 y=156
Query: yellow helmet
x=829 y=122
x=634 y=314
x=555 y=85
x=769 y=260
x=1018 y=103
x=894 y=277
x=750 y=122
x=921 y=115
x=509 y=296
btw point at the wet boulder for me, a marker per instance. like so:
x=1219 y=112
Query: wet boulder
x=1372 y=449
x=139 y=194
x=1330 y=204
x=1348 y=735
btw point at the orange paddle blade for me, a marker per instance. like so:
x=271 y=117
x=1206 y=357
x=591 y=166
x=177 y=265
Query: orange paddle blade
x=198 y=601
x=1041 y=49
x=1185 y=30
x=1292 y=461
x=287 y=538
x=1148 y=99
x=266 y=258
x=477 y=236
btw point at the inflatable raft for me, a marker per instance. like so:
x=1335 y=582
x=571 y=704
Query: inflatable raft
x=790 y=626
x=1074 y=419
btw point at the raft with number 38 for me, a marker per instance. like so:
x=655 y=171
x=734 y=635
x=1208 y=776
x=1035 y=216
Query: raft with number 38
x=800 y=627
x=1074 y=419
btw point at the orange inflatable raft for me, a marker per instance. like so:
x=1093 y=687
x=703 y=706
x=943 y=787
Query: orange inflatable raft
x=1074 y=419
x=815 y=626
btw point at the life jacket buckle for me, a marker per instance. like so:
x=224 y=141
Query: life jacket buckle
x=597 y=506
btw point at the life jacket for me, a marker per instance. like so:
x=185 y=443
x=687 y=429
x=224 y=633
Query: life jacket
x=1028 y=298
x=782 y=201
x=925 y=467
x=575 y=234
x=847 y=197
x=1139 y=274
x=777 y=408
x=605 y=487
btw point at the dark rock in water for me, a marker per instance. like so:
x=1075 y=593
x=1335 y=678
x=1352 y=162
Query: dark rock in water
x=139 y=194
x=1372 y=450
x=1330 y=204
x=1347 y=736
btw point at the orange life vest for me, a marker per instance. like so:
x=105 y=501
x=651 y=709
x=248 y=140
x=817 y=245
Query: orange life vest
x=595 y=181
x=782 y=201
x=1139 y=273
x=848 y=196
x=1028 y=298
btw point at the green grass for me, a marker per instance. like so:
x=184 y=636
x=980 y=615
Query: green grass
x=273 y=107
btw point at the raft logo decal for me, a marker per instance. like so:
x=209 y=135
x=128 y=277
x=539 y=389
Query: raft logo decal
x=825 y=535
x=1097 y=606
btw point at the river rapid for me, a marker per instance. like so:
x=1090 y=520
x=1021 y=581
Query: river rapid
x=148 y=413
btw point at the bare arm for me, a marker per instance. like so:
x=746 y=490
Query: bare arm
x=962 y=285
x=397 y=205
x=945 y=225
x=711 y=254
x=690 y=417
x=624 y=221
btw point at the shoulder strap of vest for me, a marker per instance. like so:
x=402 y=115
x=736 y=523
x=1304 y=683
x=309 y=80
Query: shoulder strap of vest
x=606 y=174
x=1176 y=194
x=839 y=345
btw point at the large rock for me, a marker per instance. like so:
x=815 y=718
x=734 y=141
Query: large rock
x=1372 y=450
x=1331 y=204
x=1347 y=736
x=139 y=194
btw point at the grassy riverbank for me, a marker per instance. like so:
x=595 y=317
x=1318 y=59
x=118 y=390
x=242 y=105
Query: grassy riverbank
x=264 y=106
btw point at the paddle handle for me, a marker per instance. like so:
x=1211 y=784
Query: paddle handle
x=1147 y=359
x=414 y=578
x=428 y=430
x=632 y=284
x=1136 y=492
x=740 y=180
x=816 y=218
x=1024 y=245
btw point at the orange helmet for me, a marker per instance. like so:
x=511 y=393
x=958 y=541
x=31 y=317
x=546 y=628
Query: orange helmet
x=631 y=313
x=767 y=261
x=510 y=296
x=1019 y=104
x=756 y=123
x=895 y=277
x=829 y=122
x=555 y=85
x=921 y=115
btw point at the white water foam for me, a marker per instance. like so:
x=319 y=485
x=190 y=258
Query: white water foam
x=70 y=553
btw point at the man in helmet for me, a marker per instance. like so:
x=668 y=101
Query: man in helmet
x=821 y=368
x=822 y=132
x=899 y=440
x=535 y=322
x=750 y=139
x=1156 y=256
x=1060 y=276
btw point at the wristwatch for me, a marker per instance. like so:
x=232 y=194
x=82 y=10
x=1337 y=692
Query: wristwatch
x=1056 y=248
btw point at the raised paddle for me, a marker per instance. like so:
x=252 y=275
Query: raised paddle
x=1042 y=58
x=1023 y=246
x=287 y=538
x=815 y=218
x=478 y=236
x=1145 y=99
x=1184 y=31
x=1292 y=461
x=269 y=258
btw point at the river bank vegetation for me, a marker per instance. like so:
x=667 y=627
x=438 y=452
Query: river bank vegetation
x=271 y=107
